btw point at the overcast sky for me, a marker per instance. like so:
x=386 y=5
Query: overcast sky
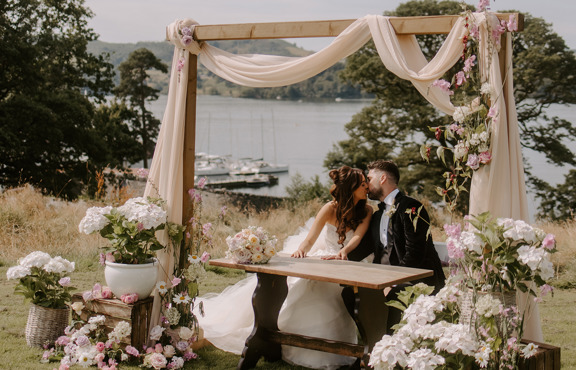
x=146 y=20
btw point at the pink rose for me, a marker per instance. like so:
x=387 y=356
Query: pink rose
x=129 y=298
x=62 y=340
x=176 y=281
x=473 y=162
x=99 y=358
x=158 y=348
x=549 y=241
x=157 y=361
x=485 y=157
x=106 y=292
x=132 y=351
x=100 y=346
x=87 y=296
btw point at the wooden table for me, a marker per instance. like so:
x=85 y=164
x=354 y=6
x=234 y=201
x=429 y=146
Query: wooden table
x=368 y=281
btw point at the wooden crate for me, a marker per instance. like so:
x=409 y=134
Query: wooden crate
x=547 y=357
x=137 y=315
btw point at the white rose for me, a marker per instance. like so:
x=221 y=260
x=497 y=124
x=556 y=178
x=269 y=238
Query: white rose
x=156 y=332
x=185 y=333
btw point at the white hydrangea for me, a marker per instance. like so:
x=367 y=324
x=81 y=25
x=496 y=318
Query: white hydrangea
x=474 y=139
x=17 y=272
x=423 y=310
x=59 y=265
x=521 y=231
x=460 y=150
x=122 y=330
x=94 y=220
x=139 y=209
x=390 y=351
x=472 y=242
x=457 y=337
x=424 y=359
x=97 y=320
x=35 y=259
x=460 y=113
x=487 y=306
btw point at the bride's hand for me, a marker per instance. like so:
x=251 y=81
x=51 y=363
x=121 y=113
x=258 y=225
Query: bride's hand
x=299 y=254
x=342 y=255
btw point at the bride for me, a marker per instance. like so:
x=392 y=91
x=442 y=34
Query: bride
x=312 y=308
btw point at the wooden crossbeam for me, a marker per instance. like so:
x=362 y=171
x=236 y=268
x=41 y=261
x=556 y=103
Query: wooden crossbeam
x=420 y=25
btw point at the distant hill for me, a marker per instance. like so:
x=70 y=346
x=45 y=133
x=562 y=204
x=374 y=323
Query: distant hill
x=325 y=85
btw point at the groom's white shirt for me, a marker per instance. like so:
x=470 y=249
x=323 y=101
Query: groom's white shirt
x=389 y=201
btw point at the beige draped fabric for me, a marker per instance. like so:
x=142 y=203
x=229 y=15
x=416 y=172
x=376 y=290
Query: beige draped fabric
x=498 y=187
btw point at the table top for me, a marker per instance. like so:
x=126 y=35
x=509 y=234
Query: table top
x=359 y=274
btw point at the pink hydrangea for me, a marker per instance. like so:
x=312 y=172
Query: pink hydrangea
x=549 y=241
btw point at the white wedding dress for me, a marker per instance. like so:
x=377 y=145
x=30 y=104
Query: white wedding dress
x=311 y=308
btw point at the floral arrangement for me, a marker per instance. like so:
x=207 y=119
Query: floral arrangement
x=251 y=245
x=43 y=280
x=476 y=110
x=431 y=334
x=501 y=254
x=131 y=229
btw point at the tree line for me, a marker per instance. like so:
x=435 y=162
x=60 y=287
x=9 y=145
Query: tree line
x=70 y=109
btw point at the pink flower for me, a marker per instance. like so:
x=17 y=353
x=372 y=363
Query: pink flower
x=223 y=211
x=460 y=78
x=443 y=85
x=157 y=361
x=129 y=298
x=469 y=63
x=106 y=292
x=142 y=173
x=100 y=346
x=132 y=351
x=62 y=340
x=202 y=183
x=454 y=251
x=149 y=350
x=64 y=367
x=186 y=40
x=158 y=348
x=473 y=162
x=176 y=281
x=191 y=192
x=549 y=241
x=87 y=296
x=140 y=226
x=206 y=228
x=99 y=358
x=483 y=4
x=110 y=257
x=485 y=157
x=65 y=281
x=453 y=230
x=545 y=289
x=102 y=259
x=190 y=355
x=457 y=129
x=475 y=31
x=180 y=64
x=512 y=25
x=205 y=257
x=82 y=341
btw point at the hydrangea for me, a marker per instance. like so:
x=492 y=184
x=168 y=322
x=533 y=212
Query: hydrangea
x=94 y=220
x=487 y=305
x=18 y=272
x=35 y=259
x=141 y=210
x=122 y=330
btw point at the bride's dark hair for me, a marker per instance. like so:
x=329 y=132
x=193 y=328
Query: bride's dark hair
x=348 y=216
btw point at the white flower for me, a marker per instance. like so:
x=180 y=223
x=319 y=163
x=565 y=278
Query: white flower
x=169 y=351
x=529 y=350
x=460 y=113
x=460 y=150
x=59 y=265
x=97 y=320
x=472 y=242
x=483 y=355
x=257 y=257
x=487 y=305
x=141 y=210
x=270 y=251
x=156 y=332
x=389 y=351
x=121 y=331
x=77 y=307
x=35 y=259
x=185 y=333
x=487 y=89
x=531 y=256
x=193 y=258
x=177 y=363
x=173 y=316
x=181 y=298
x=18 y=272
x=423 y=310
x=424 y=359
x=155 y=360
x=161 y=286
x=94 y=220
x=457 y=337
x=484 y=136
x=475 y=139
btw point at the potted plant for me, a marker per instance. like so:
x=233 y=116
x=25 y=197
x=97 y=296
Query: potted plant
x=45 y=282
x=131 y=230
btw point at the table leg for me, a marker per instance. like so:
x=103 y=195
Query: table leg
x=267 y=300
x=371 y=316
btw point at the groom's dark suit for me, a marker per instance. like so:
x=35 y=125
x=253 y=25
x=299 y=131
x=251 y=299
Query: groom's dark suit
x=407 y=246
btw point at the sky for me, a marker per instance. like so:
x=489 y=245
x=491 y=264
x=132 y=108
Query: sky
x=130 y=21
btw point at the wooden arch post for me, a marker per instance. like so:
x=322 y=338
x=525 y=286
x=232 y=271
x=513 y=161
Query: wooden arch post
x=420 y=25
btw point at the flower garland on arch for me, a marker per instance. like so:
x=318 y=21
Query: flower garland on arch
x=474 y=98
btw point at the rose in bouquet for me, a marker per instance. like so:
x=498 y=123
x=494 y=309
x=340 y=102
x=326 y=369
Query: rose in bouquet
x=251 y=245
x=43 y=280
x=501 y=254
x=131 y=229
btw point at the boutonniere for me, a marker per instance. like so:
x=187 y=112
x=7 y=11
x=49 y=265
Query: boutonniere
x=391 y=211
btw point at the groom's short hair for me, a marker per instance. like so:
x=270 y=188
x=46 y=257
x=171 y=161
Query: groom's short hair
x=389 y=167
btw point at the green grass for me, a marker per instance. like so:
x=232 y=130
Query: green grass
x=557 y=312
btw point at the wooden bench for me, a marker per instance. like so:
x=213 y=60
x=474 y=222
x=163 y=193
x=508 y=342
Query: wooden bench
x=368 y=281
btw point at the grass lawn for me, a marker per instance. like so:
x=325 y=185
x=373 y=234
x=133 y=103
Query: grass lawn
x=558 y=315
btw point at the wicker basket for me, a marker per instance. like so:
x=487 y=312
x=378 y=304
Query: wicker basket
x=45 y=325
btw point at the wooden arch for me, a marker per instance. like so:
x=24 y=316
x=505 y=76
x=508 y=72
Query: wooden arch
x=420 y=25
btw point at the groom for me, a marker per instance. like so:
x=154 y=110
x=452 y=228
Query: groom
x=392 y=235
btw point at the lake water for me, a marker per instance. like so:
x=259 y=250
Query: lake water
x=300 y=134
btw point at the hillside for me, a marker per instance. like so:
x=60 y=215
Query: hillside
x=326 y=85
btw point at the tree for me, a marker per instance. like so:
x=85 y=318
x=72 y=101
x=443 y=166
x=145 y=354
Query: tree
x=47 y=81
x=133 y=85
x=398 y=121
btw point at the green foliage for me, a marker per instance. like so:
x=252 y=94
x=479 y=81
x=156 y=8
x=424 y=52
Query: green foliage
x=47 y=78
x=42 y=288
x=134 y=76
x=300 y=191
x=397 y=123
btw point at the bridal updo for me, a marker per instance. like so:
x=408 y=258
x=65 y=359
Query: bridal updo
x=348 y=215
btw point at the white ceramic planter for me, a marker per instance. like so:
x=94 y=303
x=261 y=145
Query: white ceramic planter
x=125 y=278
